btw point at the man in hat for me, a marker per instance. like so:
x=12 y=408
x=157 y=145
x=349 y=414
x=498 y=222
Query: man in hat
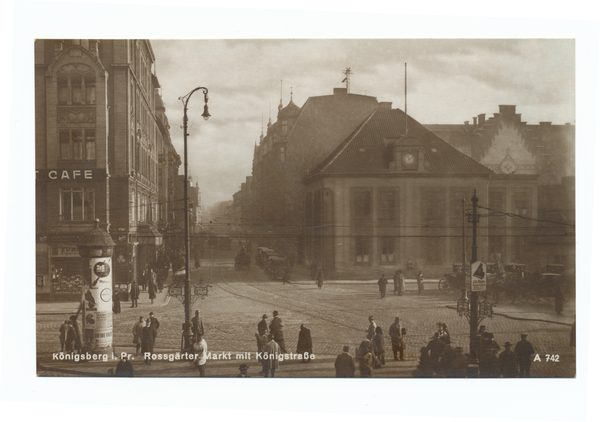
x=154 y=324
x=372 y=328
x=271 y=355
x=524 y=350
x=124 y=368
x=134 y=293
x=344 y=364
x=508 y=362
x=396 y=336
x=435 y=348
x=458 y=366
x=197 y=326
x=243 y=371
x=382 y=282
x=276 y=329
x=263 y=325
x=137 y=334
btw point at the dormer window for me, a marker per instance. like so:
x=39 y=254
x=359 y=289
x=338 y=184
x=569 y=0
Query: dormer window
x=284 y=127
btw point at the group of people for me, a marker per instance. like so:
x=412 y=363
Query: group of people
x=371 y=352
x=145 y=332
x=399 y=284
x=440 y=359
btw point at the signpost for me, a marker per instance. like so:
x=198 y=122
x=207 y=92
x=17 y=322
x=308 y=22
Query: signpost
x=478 y=276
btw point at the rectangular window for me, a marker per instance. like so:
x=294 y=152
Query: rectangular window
x=72 y=144
x=387 y=250
x=495 y=248
x=77 y=204
x=519 y=249
x=362 y=205
x=522 y=204
x=362 y=250
x=387 y=202
x=433 y=205
x=497 y=201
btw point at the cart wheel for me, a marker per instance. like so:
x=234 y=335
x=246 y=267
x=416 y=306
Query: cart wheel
x=444 y=286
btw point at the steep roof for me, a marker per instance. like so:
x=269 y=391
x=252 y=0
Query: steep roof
x=290 y=110
x=365 y=150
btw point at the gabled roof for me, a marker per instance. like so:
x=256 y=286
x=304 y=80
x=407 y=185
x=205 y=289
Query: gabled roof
x=367 y=149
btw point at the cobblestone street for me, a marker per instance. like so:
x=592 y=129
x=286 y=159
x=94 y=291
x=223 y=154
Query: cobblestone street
x=336 y=315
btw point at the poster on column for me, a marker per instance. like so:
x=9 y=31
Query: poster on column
x=99 y=311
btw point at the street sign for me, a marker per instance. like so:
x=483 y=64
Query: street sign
x=478 y=276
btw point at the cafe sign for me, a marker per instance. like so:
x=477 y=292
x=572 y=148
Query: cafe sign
x=73 y=175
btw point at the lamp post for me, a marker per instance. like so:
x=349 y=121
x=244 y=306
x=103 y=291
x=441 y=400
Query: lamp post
x=187 y=329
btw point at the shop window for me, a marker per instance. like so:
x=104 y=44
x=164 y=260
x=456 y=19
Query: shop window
x=362 y=250
x=77 y=144
x=387 y=250
x=77 y=204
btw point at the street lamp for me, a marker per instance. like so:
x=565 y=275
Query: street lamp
x=187 y=329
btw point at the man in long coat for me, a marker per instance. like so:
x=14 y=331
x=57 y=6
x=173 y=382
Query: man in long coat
x=382 y=282
x=320 y=278
x=151 y=288
x=137 y=334
x=435 y=348
x=134 y=293
x=263 y=326
x=262 y=339
x=276 y=329
x=524 y=350
x=304 y=343
x=396 y=336
x=344 y=365
x=372 y=328
x=116 y=303
x=154 y=324
x=197 y=326
x=272 y=351
x=147 y=342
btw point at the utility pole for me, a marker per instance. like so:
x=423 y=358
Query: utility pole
x=474 y=294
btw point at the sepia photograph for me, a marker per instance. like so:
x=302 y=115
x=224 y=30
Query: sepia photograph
x=317 y=208
x=299 y=194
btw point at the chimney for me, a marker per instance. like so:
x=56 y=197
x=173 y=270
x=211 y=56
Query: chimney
x=339 y=91
x=385 y=105
x=481 y=119
x=466 y=123
x=474 y=121
x=507 y=109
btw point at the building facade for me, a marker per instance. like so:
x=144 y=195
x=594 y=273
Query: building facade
x=103 y=151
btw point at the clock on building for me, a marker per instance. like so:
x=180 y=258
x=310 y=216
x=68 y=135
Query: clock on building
x=409 y=160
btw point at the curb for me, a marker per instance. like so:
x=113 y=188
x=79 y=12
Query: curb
x=523 y=319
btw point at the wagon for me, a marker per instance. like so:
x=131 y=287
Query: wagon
x=277 y=267
x=542 y=287
x=454 y=281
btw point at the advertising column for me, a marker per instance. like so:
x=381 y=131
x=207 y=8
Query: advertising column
x=98 y=313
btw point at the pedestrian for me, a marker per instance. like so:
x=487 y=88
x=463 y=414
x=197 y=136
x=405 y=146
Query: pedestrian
x=144 y=279
x=424 y=367
x=263 y=325
x=435 y=347
x=344 y=364
x=243 y=371
x=559 y=300
x=271 y=354
x=276 y=329
x=197 y=326
x=396 y=335
x=364 y=355
x=151 y=288
x=320 y=277
x=444 y=333
x=396 y=283
x=488 y=356
x=77 y=342
x=458 y=366
x=124 y=368
x=379 y=348
x=147 y=343
x=304 y=346
x=371 y=330
x=261 y=344
x=64 y=328
x=200 y=354
x=524 y=350
x=70 y=337
x=420 y=282
x=137 y=334
x=508 y=363
x=382 y=282
x=116 y=303
x=134 y=293
x=154 y=324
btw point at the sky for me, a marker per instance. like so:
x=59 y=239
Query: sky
x=448 y=81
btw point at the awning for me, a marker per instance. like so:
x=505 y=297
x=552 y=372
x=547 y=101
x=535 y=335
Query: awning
x=149 y=235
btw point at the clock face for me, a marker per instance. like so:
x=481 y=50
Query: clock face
x=408 y=159
x=508 y=167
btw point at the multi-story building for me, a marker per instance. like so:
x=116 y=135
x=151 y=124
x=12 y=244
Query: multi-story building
x=103 y=151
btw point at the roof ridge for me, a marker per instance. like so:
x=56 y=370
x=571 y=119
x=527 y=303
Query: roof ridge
x=348 y=141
